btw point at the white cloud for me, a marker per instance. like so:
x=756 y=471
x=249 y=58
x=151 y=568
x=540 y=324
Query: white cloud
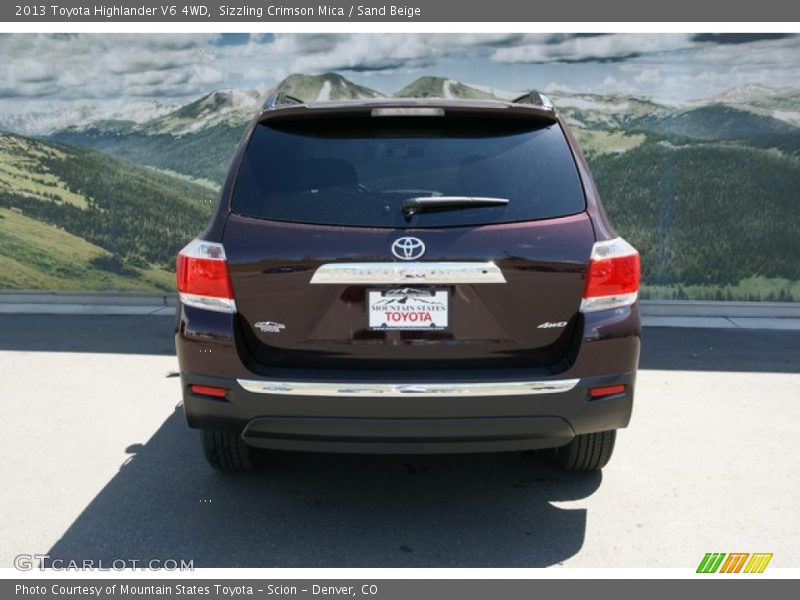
x=366 y=52
x=554 y=86
x=612 y=85
x=86 y=67
x=648 y=76
x=47 y=71
x=541 y=48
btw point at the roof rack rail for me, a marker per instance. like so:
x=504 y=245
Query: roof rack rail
x=280 y=99
x=535 y=98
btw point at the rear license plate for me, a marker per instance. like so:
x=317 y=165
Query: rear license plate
x=408 y=309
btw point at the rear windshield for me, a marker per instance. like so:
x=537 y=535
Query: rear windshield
x=358 y=172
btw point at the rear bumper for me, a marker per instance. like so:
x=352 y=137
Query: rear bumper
x=412 y=436
x=466 y=410
x=426 y=418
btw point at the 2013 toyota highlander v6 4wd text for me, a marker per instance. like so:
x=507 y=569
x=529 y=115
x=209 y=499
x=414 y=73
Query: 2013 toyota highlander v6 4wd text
x=409 y=276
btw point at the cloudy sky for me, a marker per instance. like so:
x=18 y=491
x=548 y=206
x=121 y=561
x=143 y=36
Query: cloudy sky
x=52 y=72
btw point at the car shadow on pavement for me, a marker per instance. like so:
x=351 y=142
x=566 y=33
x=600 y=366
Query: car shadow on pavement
x=104 y=334
x=736 y=350
x=329 y=510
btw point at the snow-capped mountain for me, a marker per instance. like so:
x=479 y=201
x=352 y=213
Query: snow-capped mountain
x=234 y=107
x=322 y=88
x=605 y=110
x=754 y=95
x=45 y=123
x=779 y=103
x=442 y=87
x=179 y=140
x=231 y=107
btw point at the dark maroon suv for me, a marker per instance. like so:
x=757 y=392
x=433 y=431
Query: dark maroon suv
x=405 y=276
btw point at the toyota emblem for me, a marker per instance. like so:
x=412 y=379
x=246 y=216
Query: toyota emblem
x=408 y=248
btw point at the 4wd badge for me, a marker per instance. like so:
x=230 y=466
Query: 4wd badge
x=552 y=325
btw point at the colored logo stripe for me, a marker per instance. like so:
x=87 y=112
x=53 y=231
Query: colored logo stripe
x=710 y=562
x=734 y=562
x=758 y=562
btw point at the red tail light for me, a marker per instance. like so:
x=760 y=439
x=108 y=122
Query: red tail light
x=202 y=273
x=613 y=277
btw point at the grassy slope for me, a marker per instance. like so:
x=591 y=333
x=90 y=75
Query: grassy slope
x=771 y=289
x=35 y=255
x=21 y=171
x=120 y=229
x=596 y=142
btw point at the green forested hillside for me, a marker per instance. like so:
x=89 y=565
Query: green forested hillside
x=37 y=255
x=202 y=154
x=787 y=143
x=127 y=220
x=709 y=213
x=712 y=122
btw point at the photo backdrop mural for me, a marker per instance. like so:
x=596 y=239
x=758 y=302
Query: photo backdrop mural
x=113 y=147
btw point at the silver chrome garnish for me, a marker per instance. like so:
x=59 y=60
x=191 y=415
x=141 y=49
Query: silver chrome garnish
x=408 y=273
x=344 y=389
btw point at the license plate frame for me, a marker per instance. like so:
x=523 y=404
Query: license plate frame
x=412 y=304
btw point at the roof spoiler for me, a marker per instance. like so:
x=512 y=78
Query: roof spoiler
x=283 y=106
x=280 y=99
x=535 y=98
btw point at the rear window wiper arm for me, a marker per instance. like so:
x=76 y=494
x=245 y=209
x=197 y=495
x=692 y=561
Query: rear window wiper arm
x=414 y=205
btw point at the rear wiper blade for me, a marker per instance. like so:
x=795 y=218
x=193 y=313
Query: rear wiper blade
x=415 y=205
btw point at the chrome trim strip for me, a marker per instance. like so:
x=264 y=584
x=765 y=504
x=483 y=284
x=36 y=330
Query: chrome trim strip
x=395 y=390
x=380 y=273
x=225 y=305
x=608 y=302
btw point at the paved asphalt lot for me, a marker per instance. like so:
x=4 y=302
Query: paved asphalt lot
x=96 y=462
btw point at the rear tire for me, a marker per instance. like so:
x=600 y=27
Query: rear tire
x=586 y=452
x=226 y=452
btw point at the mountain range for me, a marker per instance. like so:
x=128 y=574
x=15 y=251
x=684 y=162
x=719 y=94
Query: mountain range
x=655 y=162
x=180 y=140
x=235 y=107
